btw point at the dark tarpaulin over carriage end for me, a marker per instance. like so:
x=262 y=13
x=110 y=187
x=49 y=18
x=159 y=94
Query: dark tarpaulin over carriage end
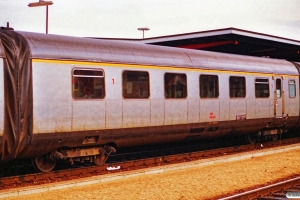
x=17 y=95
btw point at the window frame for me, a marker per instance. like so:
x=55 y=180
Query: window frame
x=278 y=87
x=256 y=81
x=184 y=90
x=88 y=85
x=230 y=88
x=201 y=88
x=295 y=89
x=135 y=97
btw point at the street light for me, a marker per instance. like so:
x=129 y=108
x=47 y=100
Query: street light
x=42 y=3
x=143 y=29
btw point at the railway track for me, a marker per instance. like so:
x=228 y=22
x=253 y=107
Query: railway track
x=123 y=166
x=289 y=189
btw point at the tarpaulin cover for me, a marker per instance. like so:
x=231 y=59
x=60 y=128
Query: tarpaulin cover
x=17 y=95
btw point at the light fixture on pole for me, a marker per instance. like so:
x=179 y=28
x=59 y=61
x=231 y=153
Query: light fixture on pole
x=42 y=3
x=143 y=29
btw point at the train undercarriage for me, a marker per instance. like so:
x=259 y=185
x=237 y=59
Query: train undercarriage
x=99 y=155
x=96 y=155
x=268 y=134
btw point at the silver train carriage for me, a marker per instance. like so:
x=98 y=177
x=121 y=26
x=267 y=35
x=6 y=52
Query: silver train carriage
x=79 y=98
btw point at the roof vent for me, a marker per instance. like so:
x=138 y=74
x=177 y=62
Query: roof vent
x=7 y=27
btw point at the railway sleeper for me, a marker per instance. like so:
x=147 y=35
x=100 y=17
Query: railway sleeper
x=97 y=155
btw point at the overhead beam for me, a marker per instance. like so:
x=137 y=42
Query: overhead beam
x=208 y=44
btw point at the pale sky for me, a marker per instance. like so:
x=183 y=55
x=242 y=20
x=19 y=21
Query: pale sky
x=121 y=18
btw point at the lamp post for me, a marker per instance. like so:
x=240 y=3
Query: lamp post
x=143 y=29
x=42 y=3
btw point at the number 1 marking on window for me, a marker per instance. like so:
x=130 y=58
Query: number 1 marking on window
x=113 y=81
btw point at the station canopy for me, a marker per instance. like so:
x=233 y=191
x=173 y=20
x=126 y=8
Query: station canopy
x=232 y=40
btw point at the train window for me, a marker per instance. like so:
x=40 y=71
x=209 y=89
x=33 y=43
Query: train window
x=135 y=85
x=292 y=88
x=175 y=85
x=209 y=86
x=88 y=84
x=262 y=89
x=237 y=86
x=278 y=88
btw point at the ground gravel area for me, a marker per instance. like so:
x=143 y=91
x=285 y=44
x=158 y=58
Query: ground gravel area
x=207 y=182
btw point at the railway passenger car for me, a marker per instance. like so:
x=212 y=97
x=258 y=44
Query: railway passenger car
x=80 y=98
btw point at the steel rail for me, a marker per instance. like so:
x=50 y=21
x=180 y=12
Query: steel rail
x=266 y=190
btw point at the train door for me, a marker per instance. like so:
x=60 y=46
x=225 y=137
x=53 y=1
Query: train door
x=278 y=98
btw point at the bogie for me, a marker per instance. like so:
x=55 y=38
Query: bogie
x=96 y=155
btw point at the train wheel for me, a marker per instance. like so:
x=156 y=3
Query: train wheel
x=251 y=138
x=100 y=159
x=43 y=163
